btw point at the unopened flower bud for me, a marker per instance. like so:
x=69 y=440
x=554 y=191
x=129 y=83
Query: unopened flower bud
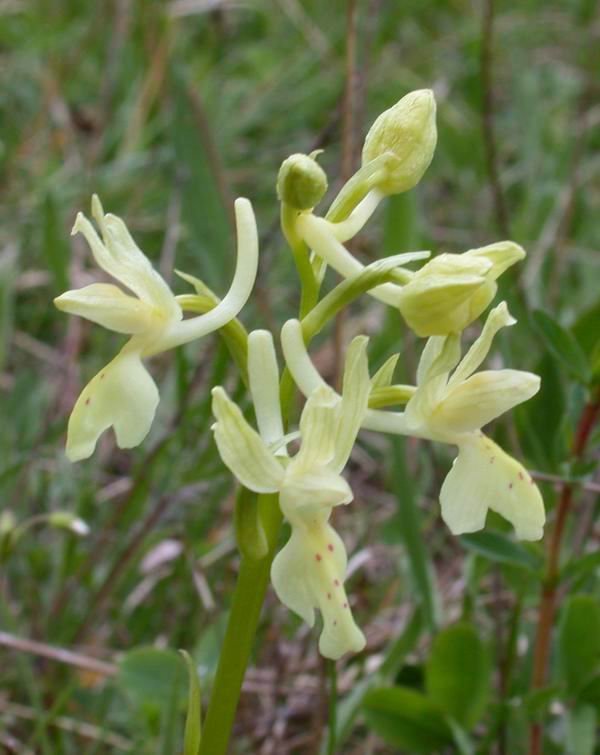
x=407 y=135
x=8 y=534
x=301 y=182
x=452 y=290
x=7 y=522
x=68 y=521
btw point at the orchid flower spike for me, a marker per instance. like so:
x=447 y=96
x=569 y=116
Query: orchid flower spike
x=123 y=394
x=450 y=291
x=451 y=404
x=309 y=571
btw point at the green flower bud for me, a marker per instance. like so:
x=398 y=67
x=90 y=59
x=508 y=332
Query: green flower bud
x=406 y=134
x=301 y=182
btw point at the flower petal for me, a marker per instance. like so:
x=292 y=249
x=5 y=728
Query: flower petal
x=498 y=318
x=502 y=255
x=263 y=375
x=308 y=573
x=484 y=477
x=346 y=229
x=385 y=374
x=440 y=355
x=108 y=306
x=242 y=449
x=118 y=255
x=481 y=398
x=305 y=374
x=307 y=491
x=318 y=428
x=122 y=395
x=144 y=279
x=239 y=291
x=355 y=400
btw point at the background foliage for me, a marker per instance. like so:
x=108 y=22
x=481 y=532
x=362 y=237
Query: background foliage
x=168 y=111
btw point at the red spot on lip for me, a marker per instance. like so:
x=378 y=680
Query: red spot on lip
x=318 y=556
x=330 y=547
x=336 y=582
x=87 y=401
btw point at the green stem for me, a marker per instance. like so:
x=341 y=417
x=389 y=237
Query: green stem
x=248 y=597
x=308 y=280
x=253 y=576
x=331 y=739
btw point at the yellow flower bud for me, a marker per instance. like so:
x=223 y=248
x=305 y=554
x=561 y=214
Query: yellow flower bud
x=301 y=182
x=406 y=134
x=452 y=290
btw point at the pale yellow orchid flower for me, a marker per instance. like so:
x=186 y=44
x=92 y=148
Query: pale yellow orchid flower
x=309 y=571
x=451 y=403
x=123 y=394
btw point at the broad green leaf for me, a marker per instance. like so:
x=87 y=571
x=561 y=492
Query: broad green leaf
x=585 y=328
x=406 y=719
x=563 y=345
x=540 y=420
x=193 y=723
x=581 y=567
x=151 y=676
x=581 y=730
x=349 y=707
x=462 y=740
x=498 y=547
x=579 y=640
x=457 y=673
x=590 y=694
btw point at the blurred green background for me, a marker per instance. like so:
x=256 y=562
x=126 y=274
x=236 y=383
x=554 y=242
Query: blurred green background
x=169 y=110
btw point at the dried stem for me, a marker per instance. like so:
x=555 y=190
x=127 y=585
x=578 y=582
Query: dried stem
x=548 y=600
x=61 y=655
x=79 y=728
